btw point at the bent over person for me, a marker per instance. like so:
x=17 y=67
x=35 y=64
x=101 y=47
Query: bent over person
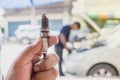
x=63 y=39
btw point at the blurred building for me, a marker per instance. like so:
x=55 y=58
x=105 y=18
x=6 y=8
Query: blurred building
x=99 y=10
x=61 y=13
x=58 y=14
x=108 y=8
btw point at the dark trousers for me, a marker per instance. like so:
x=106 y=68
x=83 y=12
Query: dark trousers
x=59 y=52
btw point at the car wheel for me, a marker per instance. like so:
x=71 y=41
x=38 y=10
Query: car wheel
x=25 y=41
x=102 y=70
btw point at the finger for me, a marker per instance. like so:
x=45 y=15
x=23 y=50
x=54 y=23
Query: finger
x=46 y=75
x=53 y=40
x=36 y=59
x=29 y=53
x=46 y=64
x=35 y=48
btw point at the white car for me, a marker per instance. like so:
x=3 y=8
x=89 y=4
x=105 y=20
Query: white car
x=109 y=25
x=27 y=34
x=100 y=61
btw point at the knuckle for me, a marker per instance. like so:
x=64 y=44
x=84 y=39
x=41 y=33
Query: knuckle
x=46 y=66
x=55 y=57
x=55 y=72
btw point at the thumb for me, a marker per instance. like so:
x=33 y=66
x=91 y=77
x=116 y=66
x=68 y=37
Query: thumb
x=27 y=55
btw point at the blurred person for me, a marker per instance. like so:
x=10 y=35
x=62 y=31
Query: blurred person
x=29 y=66
x=63 y=39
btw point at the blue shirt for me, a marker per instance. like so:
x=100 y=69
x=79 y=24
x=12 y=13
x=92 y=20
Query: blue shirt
x=66 y=31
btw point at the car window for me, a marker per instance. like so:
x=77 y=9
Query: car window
x=22 y=30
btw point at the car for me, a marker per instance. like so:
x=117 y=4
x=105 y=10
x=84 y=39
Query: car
x=109 y=25
x=27 y=34
x=112 y=37
x=98 y=61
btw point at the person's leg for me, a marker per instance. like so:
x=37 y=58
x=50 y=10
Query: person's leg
x=60 y=68
x=59 y=53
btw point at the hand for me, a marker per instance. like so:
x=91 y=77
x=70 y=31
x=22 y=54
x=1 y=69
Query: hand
x=68 y=46
x=29 y=66
x=68 y=49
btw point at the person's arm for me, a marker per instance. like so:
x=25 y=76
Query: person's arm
x=63 y=41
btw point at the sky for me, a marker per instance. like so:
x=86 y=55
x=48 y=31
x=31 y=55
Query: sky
x=9 y=4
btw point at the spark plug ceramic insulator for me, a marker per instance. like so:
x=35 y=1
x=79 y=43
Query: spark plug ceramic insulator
x=45 y=34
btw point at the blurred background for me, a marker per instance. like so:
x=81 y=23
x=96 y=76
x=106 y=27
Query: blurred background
x=95 y=51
